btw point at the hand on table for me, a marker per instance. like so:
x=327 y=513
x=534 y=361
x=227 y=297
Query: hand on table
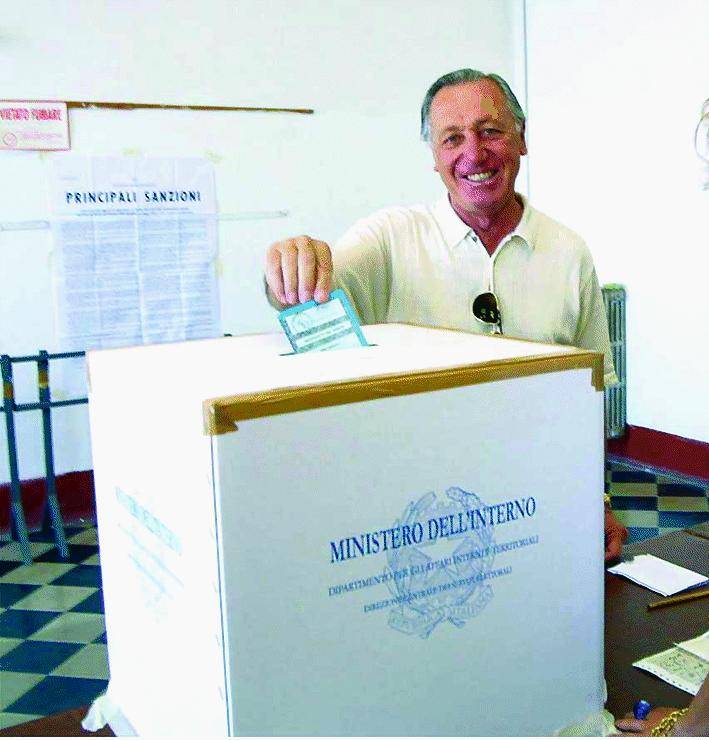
x=298 y=270
x=615 y=535
x=632 y=727
x=691 y=722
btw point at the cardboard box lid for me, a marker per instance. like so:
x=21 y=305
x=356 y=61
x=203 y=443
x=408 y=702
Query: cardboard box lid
x=404 y=360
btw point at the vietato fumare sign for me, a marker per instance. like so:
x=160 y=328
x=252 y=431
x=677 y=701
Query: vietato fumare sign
x=34 y=125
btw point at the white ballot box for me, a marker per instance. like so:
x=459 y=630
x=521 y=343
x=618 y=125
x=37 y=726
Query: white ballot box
x=401 y=539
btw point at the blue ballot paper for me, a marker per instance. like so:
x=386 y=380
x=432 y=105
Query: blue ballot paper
x=314 y=327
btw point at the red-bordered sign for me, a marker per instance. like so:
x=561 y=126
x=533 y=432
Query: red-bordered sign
x=34 y=125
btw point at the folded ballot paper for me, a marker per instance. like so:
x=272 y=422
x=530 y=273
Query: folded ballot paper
x=685 y=666
x=314 y=327
x=658 y=575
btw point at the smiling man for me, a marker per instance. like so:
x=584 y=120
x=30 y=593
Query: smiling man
x=480 y=259
x=477 y=143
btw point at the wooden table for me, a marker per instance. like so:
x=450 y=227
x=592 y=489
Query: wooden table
x=631 y=633
x=63 y=724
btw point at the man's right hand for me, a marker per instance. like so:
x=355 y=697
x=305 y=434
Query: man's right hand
x=298 y=270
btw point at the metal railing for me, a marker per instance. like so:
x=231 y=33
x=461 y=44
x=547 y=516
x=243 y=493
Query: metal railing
x=45 y=405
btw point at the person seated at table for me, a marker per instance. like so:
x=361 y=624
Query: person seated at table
x=671 y=722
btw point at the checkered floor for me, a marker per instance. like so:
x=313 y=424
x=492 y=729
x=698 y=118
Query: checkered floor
x=650 y=503
x=52 y=632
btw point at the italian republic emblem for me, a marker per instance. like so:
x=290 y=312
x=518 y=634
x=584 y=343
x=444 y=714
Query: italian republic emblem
x=439 y=589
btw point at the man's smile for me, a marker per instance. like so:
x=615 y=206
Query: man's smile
x=480 y=176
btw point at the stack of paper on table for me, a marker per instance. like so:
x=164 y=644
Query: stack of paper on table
x=658 y=575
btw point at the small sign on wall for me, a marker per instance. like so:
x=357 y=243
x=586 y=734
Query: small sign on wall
x=33 y=125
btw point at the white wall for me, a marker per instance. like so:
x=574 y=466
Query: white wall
x=362 y=65
x=615 y=92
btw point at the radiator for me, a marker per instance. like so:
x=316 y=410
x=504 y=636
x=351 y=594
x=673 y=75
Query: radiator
x=616 y=397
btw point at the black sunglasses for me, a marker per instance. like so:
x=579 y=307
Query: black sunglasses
x=487 y=311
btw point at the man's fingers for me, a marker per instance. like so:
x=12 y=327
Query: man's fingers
x=274 y=274
x=299 y=269
x=614 y=547
x=323 y=281
x=289 y=268
x=282 y=271
x=307 y=265
x=615 y=535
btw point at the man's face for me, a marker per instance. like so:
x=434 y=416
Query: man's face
x=476 y=146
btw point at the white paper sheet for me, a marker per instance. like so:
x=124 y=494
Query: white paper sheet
x=698 y=646
x=658 y=575
x=683 y=666
x=135 y=250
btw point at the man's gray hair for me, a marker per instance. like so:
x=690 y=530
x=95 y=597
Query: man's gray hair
x=468 y=75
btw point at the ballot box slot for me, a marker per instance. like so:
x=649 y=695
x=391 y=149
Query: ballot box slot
x=294 y=354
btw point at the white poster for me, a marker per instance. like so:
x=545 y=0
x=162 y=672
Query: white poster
x=135 y=250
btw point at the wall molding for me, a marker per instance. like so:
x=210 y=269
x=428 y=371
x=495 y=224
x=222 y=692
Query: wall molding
x=664 y=451
x=75 y=492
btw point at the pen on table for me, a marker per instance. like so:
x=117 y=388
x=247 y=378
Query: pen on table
x=679 y=599
x=699 y=531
